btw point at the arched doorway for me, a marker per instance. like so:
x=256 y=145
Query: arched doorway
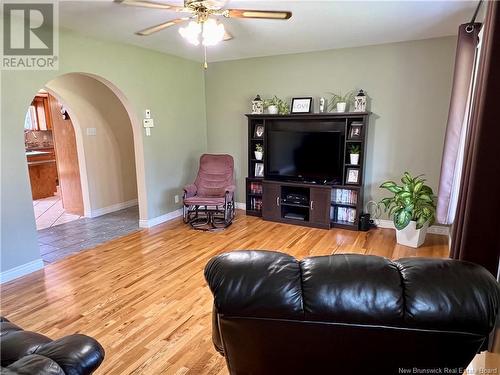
x=108 y=143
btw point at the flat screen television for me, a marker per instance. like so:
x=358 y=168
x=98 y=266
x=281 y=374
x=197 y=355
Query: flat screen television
x=310 y=156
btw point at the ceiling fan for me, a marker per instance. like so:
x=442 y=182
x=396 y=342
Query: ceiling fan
x=202 y=14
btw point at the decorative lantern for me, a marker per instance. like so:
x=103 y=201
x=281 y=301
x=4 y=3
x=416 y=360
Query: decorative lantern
x=257 y=106
x=360 y=102
x=322 y=105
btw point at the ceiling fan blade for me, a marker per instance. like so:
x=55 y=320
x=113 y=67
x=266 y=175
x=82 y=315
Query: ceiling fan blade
x=227 y=36
x=151 y=4
x=262 y=14
x=162 y=26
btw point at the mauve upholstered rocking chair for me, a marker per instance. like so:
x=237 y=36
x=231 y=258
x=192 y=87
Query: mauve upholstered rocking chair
x=209 y=202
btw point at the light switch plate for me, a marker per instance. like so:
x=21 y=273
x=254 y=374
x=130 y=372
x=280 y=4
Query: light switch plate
x=147 y=113
x=91 y=131
x=148 y=123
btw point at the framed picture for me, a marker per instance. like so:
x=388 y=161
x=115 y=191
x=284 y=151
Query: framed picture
x=302 y=105
x=355 y=131
x=259 y=170
x=259 y=131
x=352 y=176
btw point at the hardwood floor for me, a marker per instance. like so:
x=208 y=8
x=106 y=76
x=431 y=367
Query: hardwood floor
x=144 y=298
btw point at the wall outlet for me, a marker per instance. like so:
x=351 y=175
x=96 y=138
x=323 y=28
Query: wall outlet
x=176 y=199
x=91 y=131
x=147 y=113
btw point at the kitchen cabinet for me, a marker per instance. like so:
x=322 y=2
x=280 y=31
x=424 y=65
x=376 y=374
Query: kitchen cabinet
x=43 y=173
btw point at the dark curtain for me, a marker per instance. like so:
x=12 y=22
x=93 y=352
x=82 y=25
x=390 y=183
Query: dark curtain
x=457 y=119
x=476 y=229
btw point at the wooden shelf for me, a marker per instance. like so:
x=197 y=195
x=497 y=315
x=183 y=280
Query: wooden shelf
x=273 y=207
x=353 y=205
x=294 y=205
x=342 y=186
x=308 y=115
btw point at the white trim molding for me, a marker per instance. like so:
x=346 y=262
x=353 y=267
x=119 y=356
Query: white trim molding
x=21 y=270
x=114 y=207
x=442 y=230
x=148 y=223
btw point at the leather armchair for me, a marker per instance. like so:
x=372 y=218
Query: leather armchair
x=348 y=314
x=24 y=352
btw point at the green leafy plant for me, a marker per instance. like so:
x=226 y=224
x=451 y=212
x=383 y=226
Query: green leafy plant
x=339 y=98
x=280 y=103
x=258 y=148
x=354 y=149
x=412 y=201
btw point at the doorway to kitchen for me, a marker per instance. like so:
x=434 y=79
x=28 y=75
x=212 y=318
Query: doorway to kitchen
x=82 y=137
x=50 y=146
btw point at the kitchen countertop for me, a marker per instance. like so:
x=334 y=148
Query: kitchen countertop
x=33 y=163
x=34 y=153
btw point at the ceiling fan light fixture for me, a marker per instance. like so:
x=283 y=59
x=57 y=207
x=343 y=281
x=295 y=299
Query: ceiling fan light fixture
x=213 y=32
x=191 y=32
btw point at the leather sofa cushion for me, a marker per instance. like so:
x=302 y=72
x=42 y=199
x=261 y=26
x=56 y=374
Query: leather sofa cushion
x=421 y=293
x=271 y=289
x=352 y=289
x=448 y=294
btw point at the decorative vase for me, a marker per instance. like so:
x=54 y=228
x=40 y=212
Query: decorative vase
x=272 y=110
x=341 y=107
x=354 y=159
x=411 y=236
x=258 y=155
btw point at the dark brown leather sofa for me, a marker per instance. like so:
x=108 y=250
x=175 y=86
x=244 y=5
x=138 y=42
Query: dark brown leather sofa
x=349 y=314
x=23 y=352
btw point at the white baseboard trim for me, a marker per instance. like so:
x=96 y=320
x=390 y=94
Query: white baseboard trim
x=21 y=270
x=148 y=223
x=434 y=229
x=114 y=207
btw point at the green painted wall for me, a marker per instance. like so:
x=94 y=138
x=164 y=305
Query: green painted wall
x=409 y=85
x=173 y=88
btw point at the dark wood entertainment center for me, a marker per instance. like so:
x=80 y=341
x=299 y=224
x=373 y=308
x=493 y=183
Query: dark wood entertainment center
x=323 y=205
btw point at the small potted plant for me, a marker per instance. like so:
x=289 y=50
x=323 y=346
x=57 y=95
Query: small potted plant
x=259 y=151
x=412 y=207
x=276 y=106
x=340 y=102
x=354 y=152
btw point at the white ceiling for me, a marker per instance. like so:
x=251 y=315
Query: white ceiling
x=315 y=25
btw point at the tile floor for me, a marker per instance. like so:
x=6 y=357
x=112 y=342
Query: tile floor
x=60 y=241
x=49 y=212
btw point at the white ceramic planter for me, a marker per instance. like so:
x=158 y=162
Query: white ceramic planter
x=354 y=159
x=341 y=107
x=272 y=110
x=258 y=155
x=411 y=236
